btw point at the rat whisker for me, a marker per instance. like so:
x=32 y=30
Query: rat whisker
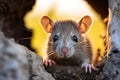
x=52 y=54
x=50 y=42
x=81 y=42
x=55 y=56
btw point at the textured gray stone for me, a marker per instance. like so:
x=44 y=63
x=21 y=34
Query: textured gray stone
x=111 y=69
x=19 y=63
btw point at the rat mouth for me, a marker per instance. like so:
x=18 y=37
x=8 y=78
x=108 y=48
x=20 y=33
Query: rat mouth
x=65 y=53
x=61 y=55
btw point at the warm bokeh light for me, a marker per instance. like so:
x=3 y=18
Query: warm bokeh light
x=62 y=9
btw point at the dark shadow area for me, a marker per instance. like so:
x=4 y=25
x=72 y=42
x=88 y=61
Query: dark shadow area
x=12 y=13
x=100 y=6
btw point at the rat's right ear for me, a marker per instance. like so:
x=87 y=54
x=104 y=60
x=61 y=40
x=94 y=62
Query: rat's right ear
x=84 y=24
x=47 y=24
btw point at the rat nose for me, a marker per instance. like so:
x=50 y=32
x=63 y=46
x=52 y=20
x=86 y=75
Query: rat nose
x=64 y=50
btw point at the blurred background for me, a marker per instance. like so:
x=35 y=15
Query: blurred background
x=63 y=10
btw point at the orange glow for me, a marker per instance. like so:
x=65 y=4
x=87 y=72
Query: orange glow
x=62 y=9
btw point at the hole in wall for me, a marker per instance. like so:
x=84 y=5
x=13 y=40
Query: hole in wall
x=64 y=9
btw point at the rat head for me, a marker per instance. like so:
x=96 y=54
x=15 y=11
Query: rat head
x=65 y=35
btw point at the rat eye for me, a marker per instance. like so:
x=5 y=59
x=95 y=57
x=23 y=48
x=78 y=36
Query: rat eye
x=74 y=38
x=55 y=38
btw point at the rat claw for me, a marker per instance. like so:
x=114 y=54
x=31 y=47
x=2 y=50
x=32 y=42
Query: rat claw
x=45 y=62
x=48 y=62
x=53 y=62
x=88 y=67
x=86 y=70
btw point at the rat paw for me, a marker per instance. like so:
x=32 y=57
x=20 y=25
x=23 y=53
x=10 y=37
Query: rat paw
x=88 y=67
x=48 y=62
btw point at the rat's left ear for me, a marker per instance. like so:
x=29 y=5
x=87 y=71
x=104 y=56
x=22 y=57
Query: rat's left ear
x=84 y=24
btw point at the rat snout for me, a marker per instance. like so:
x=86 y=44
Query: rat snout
x=64 y=50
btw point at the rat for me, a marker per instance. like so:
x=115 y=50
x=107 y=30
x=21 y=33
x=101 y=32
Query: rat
x=68 y=43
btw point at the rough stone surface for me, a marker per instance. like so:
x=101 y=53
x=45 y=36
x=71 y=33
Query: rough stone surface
x=19 y=63
x=114 y=23
x=111 y=69
x=71 y=73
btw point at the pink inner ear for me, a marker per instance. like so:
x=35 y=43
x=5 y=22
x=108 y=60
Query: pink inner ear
x=45 y=21
x=84 y=28
x=49 y=28
x=84 y=24
x=47 y=24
